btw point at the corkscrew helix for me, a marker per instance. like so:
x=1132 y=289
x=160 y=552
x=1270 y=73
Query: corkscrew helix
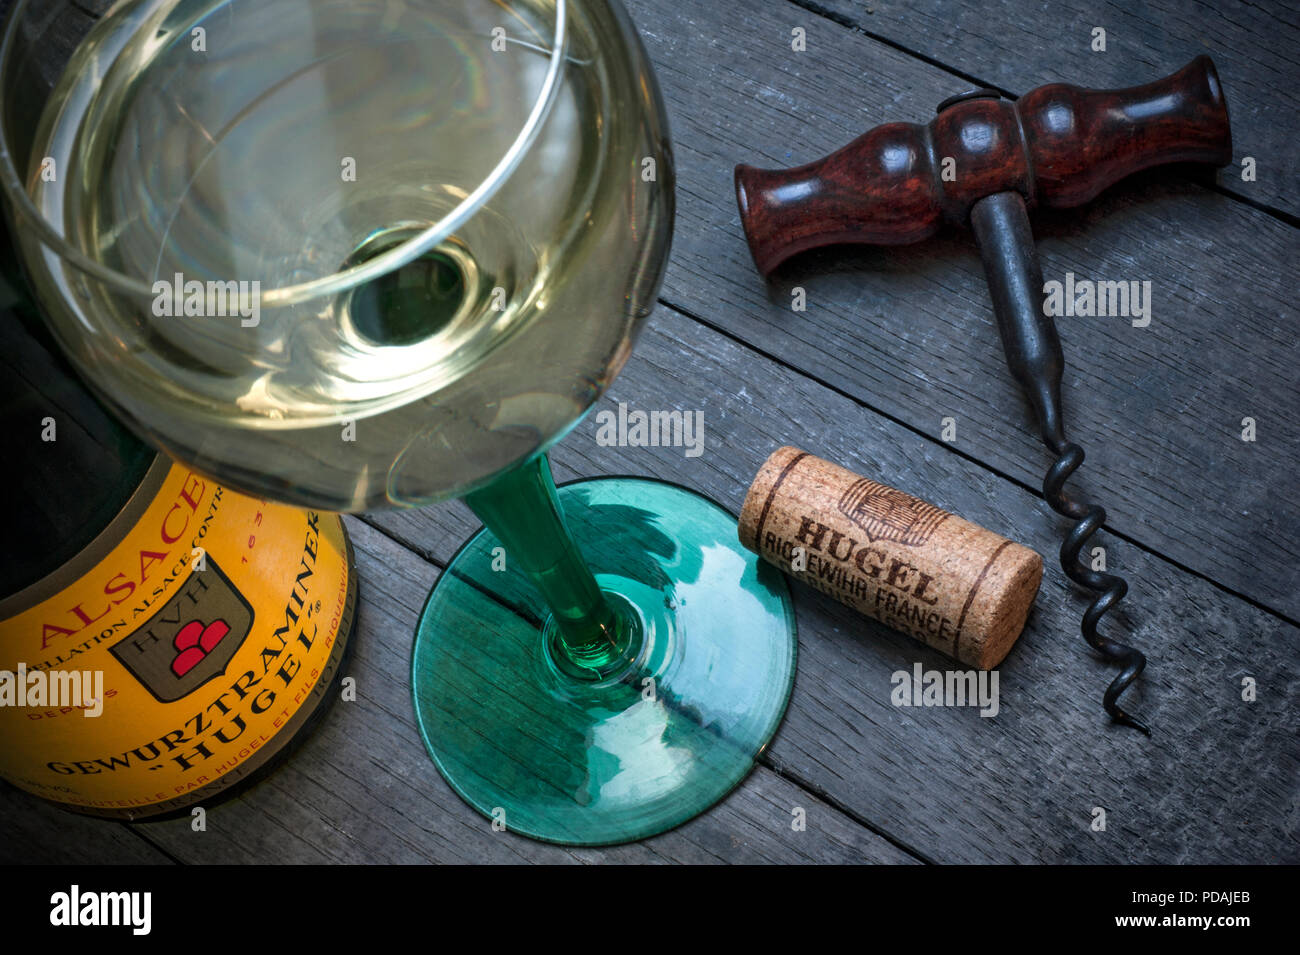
x=1090 y=518
x=984 y=162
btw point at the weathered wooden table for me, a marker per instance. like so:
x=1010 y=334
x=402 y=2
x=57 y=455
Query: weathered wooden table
x=1202 y=523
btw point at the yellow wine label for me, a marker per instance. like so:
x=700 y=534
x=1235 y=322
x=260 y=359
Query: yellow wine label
x=177 y=653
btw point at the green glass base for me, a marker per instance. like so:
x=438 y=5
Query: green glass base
x=550 y=755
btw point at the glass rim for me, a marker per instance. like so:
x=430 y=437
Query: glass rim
x=336 y=282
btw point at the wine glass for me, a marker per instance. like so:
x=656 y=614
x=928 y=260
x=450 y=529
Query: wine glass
x=356 y=254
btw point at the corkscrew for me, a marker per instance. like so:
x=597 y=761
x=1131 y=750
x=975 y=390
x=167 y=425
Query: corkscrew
x=985 y=162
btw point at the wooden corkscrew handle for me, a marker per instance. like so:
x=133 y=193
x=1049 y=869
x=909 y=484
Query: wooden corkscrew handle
x=1058 y=146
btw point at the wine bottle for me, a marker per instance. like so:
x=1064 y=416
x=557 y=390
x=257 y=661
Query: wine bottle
x=164 y=642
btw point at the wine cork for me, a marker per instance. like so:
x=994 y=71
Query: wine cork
x=951 y=584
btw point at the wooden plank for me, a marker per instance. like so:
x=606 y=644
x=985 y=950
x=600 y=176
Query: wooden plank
x=909 y=330
x=1216 y=782
x=36 y=833
x=363 y=789
x=1015 y=46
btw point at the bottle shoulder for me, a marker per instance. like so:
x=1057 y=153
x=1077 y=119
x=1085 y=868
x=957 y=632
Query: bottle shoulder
x=70 y=466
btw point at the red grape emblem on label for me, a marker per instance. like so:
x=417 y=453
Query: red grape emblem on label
x=194 y=642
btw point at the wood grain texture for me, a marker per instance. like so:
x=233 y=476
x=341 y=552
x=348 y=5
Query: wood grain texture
x=909 y=331
x=363 y=789
x=1215 y=784
x=32 y=831
x=1015 y=46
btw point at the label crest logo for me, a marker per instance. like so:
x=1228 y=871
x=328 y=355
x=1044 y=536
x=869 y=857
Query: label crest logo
x=191 y=639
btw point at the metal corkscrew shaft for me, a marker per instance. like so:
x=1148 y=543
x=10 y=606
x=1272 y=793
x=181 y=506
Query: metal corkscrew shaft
x=1033 y=349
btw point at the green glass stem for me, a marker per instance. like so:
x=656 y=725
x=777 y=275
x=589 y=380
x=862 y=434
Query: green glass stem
x=591 y=640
